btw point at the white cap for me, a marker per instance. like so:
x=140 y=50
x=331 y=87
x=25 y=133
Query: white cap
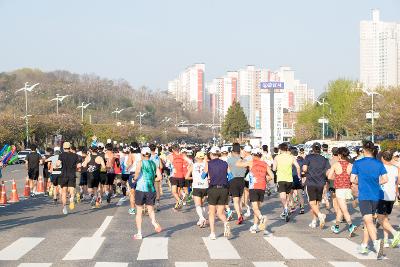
x=121 y=144
x=100 y=145
x=224 y=149
x=396 y=154
x=146 y=150
x=215 y=150
x=256 y=151
x=247 y=149
x=108 y=141
x=57 y=148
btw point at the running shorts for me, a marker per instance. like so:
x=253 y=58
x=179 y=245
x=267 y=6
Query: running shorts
x=179 y=182
x=218 y=196
x=344 y=193
x=236 y=187
x=103 y=178
x=68 y=182
x=385 y=207
x=246 y=184
x=83 y=180
x=132 y=182
x=92 y=181
x=256 y=195
x=55 y=179
x=142 y=198
x=314 y=192
x=188 y=183
x=297 y=183
x=110 y=178
x=199 y=192
x=125 y=177
x=368 y=207
x=285 y=187
x=33 y=174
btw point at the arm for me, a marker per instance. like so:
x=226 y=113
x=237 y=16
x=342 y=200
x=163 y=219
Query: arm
x=274 y=165
x=137 y=171
x=270 y=174
x=331 y=172
x=354 y=178
x=296 y=164
x=383 y=179
x=100 y=160
x=190 y=169
x=86 y=161
x=158 y=174
x=243 y=164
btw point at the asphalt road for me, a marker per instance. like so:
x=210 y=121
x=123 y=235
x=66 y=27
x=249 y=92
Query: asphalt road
x=35 y=231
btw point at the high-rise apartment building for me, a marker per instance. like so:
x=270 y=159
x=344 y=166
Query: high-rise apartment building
x=188 y=88
x=379 y=52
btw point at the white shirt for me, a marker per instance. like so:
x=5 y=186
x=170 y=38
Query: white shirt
x=197 y=171
x=389 y=189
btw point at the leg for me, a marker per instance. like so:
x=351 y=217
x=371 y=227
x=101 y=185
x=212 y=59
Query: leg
x=64 y=196
x=175 y=193
x=256 y=210
x=139 y=218
x=132 y=198
x=343 y=210
x=370 y=226
x=283 y=198
x=236 y=204
x=211 y=217
x=221 y=213
x=198 y=205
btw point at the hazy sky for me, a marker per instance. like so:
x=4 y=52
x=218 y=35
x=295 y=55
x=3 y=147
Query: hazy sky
x=149 y=42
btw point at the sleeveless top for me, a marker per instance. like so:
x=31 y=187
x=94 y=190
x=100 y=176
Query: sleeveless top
x=342 y=181
x=258 y=175
x=284 y=167
x=217 y=172
x=145 y=182
x=198 y=182
x=177 y=165
x=93 y=168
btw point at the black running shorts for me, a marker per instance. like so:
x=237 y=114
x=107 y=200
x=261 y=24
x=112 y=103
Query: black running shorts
x=285 y=187
x=256 y=195
x=33 y=174
x=218 y=196
x=385 y=207
x=236 y=187
x=68 y=182
x=142 y=198
x=179 y=182
x=199 y=192
x=315 y=192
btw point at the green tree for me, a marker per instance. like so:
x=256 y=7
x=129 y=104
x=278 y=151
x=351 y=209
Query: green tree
x=307 y=126
x=235 y=122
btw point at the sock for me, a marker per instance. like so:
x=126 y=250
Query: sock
x=204 y=210
x=199 y=211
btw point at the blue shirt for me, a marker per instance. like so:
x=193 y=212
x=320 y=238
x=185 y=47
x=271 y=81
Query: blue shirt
x=368 y=171
x=218 y=171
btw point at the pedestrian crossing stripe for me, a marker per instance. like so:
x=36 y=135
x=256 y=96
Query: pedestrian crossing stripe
x=19 y=248
x=269 y=264
x=85 y=249
x=220 y=249
x=345 y=264
x=191 y=264
x=36 y=264
x=153 y=248
x=350 y=247
x=111 y=264
x=288 y=249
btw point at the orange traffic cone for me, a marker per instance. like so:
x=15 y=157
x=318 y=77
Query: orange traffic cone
x=27 y=189
x=40 y=186
x=3 y=197
x=14 y=194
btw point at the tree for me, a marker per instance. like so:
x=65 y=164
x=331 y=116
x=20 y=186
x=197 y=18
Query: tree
x=235 y=122
x=307 y=126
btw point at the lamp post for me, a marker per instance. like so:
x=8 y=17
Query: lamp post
x=373 y=115
x=141 y=115
x=82 y=107
x=27 y=89
x=117 y=111
x=59 y=98
x=323 y=120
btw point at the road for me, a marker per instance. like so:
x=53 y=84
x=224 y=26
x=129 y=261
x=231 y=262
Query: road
x=35 y=231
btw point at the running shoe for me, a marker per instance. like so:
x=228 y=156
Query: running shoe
x=137 y=236
x=301 y=210
x=263 y=223
x=396 y=239
x=378 y=246
x=157 y=228
x=33 y=195
x=78 y=198
x=283 y=215
x=203 y=223
x=108 y=198
x=386 y=243
x=178 y=205
x=93 y=201
x=65 y=211
x=352 y=229
x=293 y=209
x=362 y=249
x=313 y=225
x=267 y=233
x=212 y=236
x=229 y=215
x=253 y=229
x=268 y=192
x=71 y=205
x=335 y=229
x=321 y=218
x=227 y=229
x=240 y=220
x=132 y=211
x=55 y=201
x=158 y=206
x=248 y=213
x=199 y=222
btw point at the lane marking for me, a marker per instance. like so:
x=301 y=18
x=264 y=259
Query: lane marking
x=19 y=248
x=288 y=249
x=346 y=264
x=269 y=264
x=35 y=265
x=103 y=227
x=85 y=248
x=153 y=248
x=111 y=264
x=220 y=249
x=350 y=247
x=191 y=264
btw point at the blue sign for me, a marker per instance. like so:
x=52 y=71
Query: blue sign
x=272 y=85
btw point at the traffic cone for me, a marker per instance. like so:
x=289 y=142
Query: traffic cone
x=3 y=197
x=14 y=194
x=27 y=189
x=40 y=186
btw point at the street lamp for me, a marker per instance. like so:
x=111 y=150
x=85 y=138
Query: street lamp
x=27 y=89
x=141 y=115
x=117 y=111
x=82 y=107
x=323 y=120
x=59 y=98
x=372 y=115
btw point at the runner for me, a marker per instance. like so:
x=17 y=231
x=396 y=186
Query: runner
x=297 y=192
x=369 y=173
x=145 y=173
x=236 y=185
x=283 y=166
x=326 y=193
x=32 y=162
x=246 y=152
x=218 y=194
x=316 y=168
x=68 y=162
x=224 y=153
x=55 y=173
x=45 y=171
x=385 y=205
x=110 y=161
x=340 y=174
x=260 y=173
x=188 y=182
x=125 y=172
x=267 y=157
x=83 y=192
x=134 y=158
x=103 y=171
x=177 y=175
x=157 y=184
x=200 y=186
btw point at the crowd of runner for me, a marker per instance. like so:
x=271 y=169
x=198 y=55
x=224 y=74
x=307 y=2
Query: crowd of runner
x=229 y=183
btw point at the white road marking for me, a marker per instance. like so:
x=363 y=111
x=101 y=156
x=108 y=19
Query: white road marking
x=19 y=248
x=153 y=248
x=35 y=265
x=220 y=249
x=103 y=227
x=288 y=249
x=269 y=264
x=350 y=247
x=191 y=264
x=85 y=248
x=111 y=264
x=346 y=264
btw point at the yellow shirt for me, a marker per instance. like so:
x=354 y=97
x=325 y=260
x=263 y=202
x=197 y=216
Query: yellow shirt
x=284 y=164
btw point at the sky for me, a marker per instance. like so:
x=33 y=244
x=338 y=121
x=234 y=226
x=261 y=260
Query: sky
x=149 y=42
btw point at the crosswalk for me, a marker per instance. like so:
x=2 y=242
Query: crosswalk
x=157 y=248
